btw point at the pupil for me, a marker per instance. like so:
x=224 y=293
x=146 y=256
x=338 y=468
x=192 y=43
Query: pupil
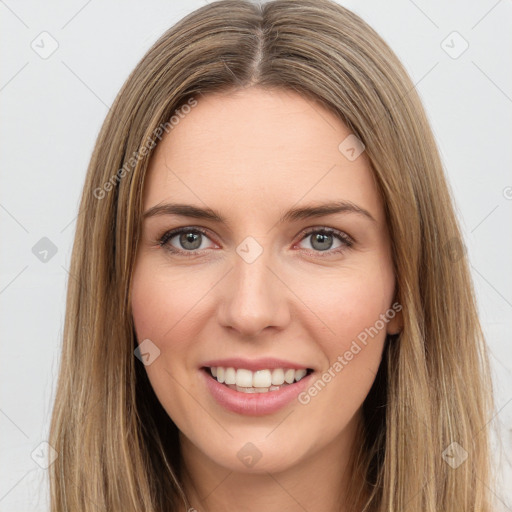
x=191 y=238
x=321 y=238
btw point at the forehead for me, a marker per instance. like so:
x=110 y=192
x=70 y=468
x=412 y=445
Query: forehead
x=256 y=148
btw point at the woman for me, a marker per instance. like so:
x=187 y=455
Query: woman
x=271 y=306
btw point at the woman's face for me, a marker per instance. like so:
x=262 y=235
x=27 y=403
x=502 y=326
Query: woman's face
x=262 y=291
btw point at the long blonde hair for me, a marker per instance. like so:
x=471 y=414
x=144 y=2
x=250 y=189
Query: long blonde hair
x=117 y=448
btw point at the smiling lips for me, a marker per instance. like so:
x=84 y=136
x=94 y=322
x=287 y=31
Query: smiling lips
x=255 y=400
x=254 y=387
x=255 y=375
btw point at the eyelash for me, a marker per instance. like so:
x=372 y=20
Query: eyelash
x=348 y=242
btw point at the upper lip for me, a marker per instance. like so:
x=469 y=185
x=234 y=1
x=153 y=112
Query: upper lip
x=262 y=363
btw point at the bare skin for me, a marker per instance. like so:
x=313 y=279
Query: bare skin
x=251 y=156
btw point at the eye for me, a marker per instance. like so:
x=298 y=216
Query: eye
x=322 y=239
x=189 y=240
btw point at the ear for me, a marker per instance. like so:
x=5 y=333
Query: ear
x=396 y=324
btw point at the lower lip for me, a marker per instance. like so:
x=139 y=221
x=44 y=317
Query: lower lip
x=254 y=404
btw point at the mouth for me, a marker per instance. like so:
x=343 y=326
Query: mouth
x=259 y=381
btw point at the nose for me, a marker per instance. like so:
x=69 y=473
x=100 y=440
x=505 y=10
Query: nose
x=254 y=298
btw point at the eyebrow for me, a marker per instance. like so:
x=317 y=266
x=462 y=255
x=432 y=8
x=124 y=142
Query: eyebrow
x=294 y=214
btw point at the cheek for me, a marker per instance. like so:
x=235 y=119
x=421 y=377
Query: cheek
x=168 y=307
x=349 y=303
x=353 y=307
x=162 y=309
x=161 y=301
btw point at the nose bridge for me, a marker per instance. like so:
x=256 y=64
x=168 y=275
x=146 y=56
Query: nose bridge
x=254 y=297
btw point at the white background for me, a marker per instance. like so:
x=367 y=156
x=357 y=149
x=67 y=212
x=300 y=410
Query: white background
x=52 y=110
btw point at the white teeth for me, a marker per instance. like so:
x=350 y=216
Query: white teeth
x=259 y=381
x=262 y=379
x=243 y=378
x=230 y=376
x=277 y=376
x=299 y=374
x=289 y=376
